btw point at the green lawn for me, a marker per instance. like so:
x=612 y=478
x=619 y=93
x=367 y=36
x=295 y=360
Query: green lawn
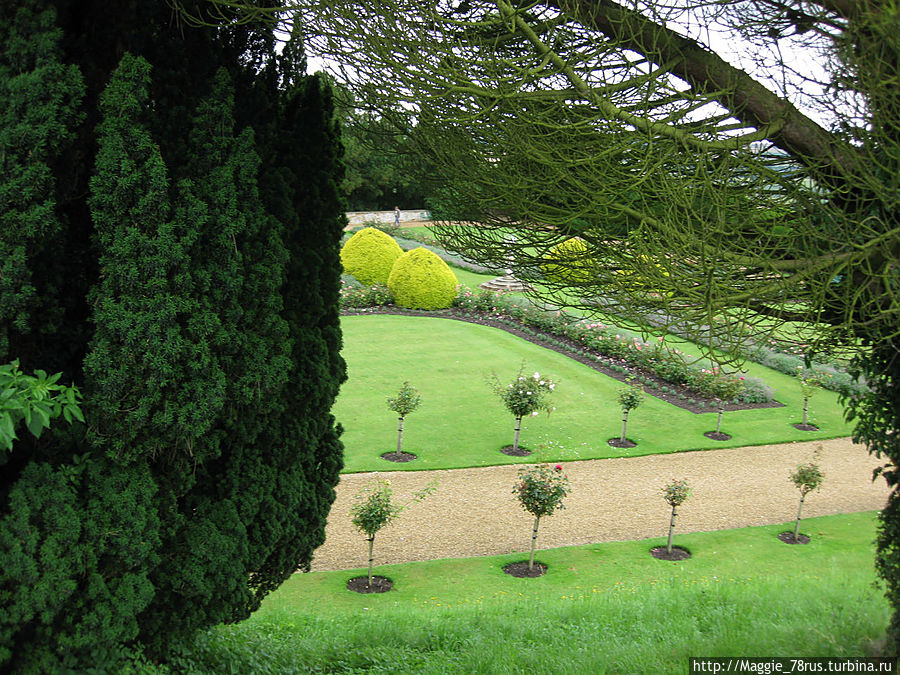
x=462 y=424
x=602 y=608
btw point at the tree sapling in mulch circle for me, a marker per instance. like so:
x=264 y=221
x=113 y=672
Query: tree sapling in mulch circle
x=807 y=477
x=809 y=385
x=675 y=494
x=405 y=402
x=524 y=396
x=726 y=390
x=540 y=491
x=629 y=398
x=373 y=509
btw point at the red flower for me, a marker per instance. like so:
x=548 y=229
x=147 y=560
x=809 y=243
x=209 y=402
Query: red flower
x=558 y=467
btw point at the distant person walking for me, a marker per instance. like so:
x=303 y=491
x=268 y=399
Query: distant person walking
x=397 y=216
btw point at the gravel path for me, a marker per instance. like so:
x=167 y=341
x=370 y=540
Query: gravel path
x=473 y=512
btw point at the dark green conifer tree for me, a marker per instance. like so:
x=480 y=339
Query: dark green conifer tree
x=197 y=222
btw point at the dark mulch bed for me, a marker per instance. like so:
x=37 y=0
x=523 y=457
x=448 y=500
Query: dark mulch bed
x=788 y=538
x=806 y=427
x=574 y=351
x=361 y=584
x=717 y=436
x=520 y=569
x=662 y=553
x=398 y=456
x=518 y=452
x=619 y=443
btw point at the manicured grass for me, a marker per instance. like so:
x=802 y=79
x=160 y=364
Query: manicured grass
x=603 y=608
x=461 y=423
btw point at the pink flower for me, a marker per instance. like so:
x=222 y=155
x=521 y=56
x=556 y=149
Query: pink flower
x=558 y=467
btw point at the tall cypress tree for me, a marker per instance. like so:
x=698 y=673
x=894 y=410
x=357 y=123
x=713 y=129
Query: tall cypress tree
x=200 y=314
x=39 y=99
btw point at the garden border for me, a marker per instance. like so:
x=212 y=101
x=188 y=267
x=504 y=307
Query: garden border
x=577 y=352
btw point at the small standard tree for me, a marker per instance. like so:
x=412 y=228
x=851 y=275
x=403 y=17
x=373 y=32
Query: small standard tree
x=630 y=397
x=727 y=390
x=807 y=477
x=675 y=494
x=541 y=490
x=526 y=395
x=809 y=385
x=375 y=508
x=405 y=402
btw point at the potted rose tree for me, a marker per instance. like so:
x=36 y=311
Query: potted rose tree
x=540 y=491
x=807 y=477
x=374 y=508
x=809 y=385
x=524 y=396
x=675 y=493
x=629 y=397
x=405 y=402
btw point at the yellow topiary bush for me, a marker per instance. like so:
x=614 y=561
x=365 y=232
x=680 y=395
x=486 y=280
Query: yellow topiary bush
x=421 y=280
x=633 y=279
x=369 y=256
x=568 y=263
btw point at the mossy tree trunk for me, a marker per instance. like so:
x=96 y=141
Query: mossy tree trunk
x=371 y=540
x=624 y=424
x=671 y=529
x=799 y=512
x=534 y=532
x=518 y=431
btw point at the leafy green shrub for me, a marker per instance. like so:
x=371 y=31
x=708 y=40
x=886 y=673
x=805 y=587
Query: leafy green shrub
x=369 y=256
x=675 y=493
x=419 y=279
x=36 y=400
x=806 y=478
x=629 y=398
x=376 y=295
x=374 y=508
x=405 y=402
x=526 y=395
x=568 y=263
x=540 y=491
x=755 y=391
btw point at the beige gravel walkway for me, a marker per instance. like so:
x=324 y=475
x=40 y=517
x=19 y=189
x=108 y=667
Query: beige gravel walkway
x=474 y=513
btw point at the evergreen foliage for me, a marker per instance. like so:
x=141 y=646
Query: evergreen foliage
x=421 y=280
x=369 y=255
x=569 y=262
x=172 y=220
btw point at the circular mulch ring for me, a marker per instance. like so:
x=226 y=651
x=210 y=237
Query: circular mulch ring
x=788 y=538
x=398 y=456
x=619 y=443
x=520 y=569
x=361 y=584
x=662 y=553
x=717 y=436
x=806 y=427
x=518 y=452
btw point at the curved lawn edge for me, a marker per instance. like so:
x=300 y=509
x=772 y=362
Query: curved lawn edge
x=461 y=424
x=573 y=353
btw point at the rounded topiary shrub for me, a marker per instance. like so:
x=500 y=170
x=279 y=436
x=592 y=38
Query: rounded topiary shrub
x=421 y=280
x=369 y=256
x=568 y=262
